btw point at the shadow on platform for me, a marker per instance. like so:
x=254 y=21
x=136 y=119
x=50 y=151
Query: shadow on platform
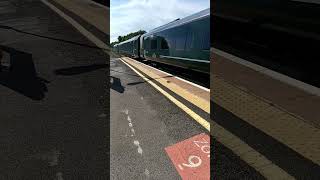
x=115 y=84
x=124 y=73
x=153 y=79
x=21 y=75
x=79 y=69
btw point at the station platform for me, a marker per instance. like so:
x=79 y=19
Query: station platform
x=275 y=115
x=166 y=110
x=141 y=115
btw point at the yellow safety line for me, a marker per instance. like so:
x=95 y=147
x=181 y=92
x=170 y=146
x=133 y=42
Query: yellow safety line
x=191 y=113
x=203 y=104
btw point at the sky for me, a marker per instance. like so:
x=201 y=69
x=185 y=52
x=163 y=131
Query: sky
x=132 y=15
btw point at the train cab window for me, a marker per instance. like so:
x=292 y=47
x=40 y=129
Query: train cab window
x=164 y=44
x=154 y=44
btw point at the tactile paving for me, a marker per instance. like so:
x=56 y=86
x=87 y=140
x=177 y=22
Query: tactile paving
x=272 y=120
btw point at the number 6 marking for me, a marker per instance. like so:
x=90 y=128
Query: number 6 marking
x=191 y=163
x=203 y=149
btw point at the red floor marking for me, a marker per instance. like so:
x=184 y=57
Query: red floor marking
x=191 y=157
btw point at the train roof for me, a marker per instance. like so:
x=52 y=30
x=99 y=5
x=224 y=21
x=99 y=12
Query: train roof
x=131 y=39
x=178 y=22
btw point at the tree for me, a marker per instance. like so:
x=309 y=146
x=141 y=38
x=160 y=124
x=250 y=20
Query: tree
x=120 y=39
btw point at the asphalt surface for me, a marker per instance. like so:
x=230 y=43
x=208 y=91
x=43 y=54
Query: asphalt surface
x=53 y=124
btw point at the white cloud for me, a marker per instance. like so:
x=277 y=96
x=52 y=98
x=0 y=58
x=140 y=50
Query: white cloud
x=133 y=15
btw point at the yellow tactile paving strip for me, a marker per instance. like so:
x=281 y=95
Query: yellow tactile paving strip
x=193 y=94
x=272 y=120
x=93 y=14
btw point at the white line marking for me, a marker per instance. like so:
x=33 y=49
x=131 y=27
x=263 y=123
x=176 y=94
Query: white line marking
x=187 y=59
x=102 y=6
x=283 y=78
x=308 y=1
x=147 y=173
x=103 y=115
x=129 y=119
x=81 y=29
x=135 y=142
x=126 y=111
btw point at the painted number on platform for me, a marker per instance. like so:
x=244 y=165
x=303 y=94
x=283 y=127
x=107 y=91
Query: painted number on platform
x=191 y=157
x=193 y=160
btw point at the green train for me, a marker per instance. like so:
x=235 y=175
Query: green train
x=183 y=43
x=130 y=47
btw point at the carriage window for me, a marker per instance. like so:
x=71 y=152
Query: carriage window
x=146 y=44
x=203 y=40
x=180 y=42
x=164 y=44
x=198 y=40
x=154 y=44
x=189 y=40
x=180 y=38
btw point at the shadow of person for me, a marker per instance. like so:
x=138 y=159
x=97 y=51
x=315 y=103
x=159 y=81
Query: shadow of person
x=116 y=84
x=21 y=75
x=79 y=69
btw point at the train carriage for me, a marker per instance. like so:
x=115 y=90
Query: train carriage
x=130 y=47
x=184 y=43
